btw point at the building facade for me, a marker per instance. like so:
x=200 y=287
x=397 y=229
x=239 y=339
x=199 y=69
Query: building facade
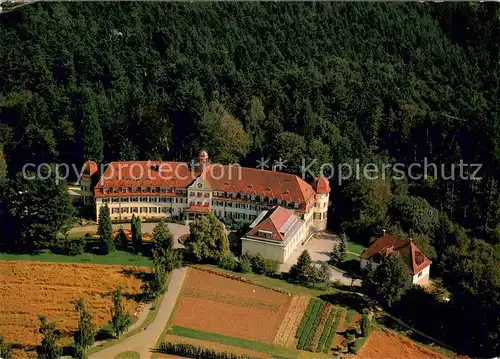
x=418 y=264
x=153 y=190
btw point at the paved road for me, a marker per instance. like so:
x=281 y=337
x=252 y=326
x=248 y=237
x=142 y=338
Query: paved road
x=319 y=247
x=145 y=341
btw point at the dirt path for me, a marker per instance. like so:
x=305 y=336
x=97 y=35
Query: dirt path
x=144 y=341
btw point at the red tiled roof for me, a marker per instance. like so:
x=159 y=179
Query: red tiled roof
x=273 y=223
x=387 y=244
x=198 y=208
x=89 y=168
x=235 y=179
x=321 y=185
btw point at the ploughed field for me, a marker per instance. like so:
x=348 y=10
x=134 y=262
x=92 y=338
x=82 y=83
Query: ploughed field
x=29 y=289
x=215 y=304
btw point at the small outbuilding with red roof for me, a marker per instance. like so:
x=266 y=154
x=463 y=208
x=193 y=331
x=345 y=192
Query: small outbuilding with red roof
x=380 y=247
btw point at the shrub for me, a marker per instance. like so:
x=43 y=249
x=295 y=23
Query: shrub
x=228 y=261
x=356 y=346
x=258 y=264
x=366 y=325
x=71 y=247
x=193 y=351
x=245 y=263
x=271 y=267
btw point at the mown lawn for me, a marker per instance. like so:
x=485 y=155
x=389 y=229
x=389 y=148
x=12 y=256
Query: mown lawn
x=276 y=283
x=235 y=342
x=355 y=247
x=114 y=258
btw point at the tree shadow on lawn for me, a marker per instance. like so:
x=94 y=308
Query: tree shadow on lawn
x=104 y=334
x=351 y=300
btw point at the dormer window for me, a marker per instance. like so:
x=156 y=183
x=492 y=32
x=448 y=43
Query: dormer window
x=265 y=234
x=124 y=190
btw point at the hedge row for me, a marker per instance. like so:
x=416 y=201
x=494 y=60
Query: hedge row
x=358 y=344
x=333 y=331
x=326 y=331
x=193 y=351
x=314 y=327
x=318 y=306
x=349 y=317
x=305 y=317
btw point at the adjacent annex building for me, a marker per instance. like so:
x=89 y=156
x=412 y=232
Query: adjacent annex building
x=156 y=189
x=418 y=264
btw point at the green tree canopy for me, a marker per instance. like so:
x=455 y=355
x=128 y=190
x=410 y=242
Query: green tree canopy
x=208 y=239
x=105 y=230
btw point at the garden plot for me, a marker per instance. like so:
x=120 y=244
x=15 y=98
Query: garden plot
x=212 y=303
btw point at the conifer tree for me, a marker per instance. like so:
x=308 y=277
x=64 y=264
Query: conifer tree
x=48 y=349
x=121 y=238
x=302 y=271
x=135 y=225
x=105 y=230
x=120 y=319
x=86 y=331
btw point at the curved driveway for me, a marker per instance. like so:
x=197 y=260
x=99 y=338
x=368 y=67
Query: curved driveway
x=145 y=341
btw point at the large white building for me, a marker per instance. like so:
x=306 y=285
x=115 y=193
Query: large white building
x=152 y=190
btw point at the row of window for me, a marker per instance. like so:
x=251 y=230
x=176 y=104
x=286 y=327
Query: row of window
x=199 y=194
x=145 y=199
x=144 y=190
x=141 y=210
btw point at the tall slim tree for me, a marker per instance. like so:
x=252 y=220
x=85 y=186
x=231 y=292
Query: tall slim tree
x=86 y=331
x=136 y=229
x=121 y=238
x=164 y=253
x=121 y=320
x=48 y=349
x=85 y=334
x=105 y=230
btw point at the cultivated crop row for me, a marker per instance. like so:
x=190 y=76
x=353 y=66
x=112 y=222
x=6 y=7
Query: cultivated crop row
x=333 y=330
x=230 y=299
x=286 y=332
x=326 y=330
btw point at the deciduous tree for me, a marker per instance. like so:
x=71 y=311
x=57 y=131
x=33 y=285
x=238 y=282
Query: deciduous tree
x=208 y=239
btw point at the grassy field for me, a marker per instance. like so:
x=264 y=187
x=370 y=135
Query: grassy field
x=235 y=342
x=276 y=283
x=355 y=247
x=114 y=258
x=128 y=355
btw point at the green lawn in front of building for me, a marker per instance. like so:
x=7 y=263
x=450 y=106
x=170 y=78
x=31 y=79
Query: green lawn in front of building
x=114 y=258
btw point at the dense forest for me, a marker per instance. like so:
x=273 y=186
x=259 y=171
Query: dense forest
x=336 y=82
